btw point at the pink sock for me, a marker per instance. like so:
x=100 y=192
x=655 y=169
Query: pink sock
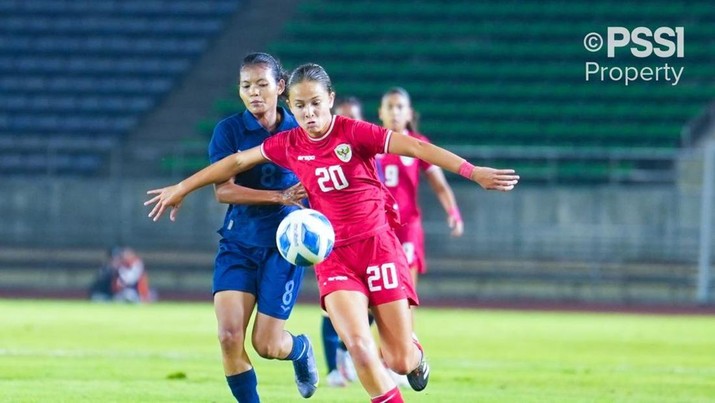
x=391 y=396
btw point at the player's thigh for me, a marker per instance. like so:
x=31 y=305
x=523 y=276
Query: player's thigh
x=267 y=328
x=235 y=285
x=279 y=285
x=233 y=310
x=394 y=325
x=348 y=312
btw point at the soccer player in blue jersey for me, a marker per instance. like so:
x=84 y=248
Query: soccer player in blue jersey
x=249 y=272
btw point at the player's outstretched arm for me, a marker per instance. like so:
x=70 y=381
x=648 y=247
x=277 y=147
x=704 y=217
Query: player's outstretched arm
x=488 y=178
x=218 y=172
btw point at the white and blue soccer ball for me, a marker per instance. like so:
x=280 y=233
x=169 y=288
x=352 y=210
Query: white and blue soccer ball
x=305 y=237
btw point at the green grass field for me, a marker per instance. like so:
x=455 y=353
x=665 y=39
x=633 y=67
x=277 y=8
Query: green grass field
x=59 y=351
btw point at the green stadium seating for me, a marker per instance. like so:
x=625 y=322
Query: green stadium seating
x=487 y=64
x=509 y=73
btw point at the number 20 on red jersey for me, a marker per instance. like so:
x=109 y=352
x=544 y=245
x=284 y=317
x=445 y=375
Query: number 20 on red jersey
x=331 y=178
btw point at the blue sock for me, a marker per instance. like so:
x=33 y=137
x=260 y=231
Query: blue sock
x=330 y=343
x=244 y=386
x=299 y=348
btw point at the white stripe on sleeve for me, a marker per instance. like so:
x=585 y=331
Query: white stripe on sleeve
x=264 y=154
x=387 y=140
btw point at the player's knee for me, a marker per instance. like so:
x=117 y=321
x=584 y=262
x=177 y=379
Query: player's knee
x=362 y=350
x=266 y=347
x=231 y=338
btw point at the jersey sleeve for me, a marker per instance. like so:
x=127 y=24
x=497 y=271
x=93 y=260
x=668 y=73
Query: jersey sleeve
x=370 y=139
x=221 y=145
x=425 y=166
x=274 y=148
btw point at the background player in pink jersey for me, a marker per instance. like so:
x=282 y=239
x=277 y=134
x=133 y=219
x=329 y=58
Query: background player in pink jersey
x=401 y=175
x=333 y=157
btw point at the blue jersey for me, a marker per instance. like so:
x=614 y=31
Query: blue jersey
x=252 y=224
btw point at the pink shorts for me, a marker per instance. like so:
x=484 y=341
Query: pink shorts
x=412 y=238
x=374 y=266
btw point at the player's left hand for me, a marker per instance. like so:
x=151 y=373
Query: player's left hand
x=495 y=179
x=170 y=196
x=456 y=225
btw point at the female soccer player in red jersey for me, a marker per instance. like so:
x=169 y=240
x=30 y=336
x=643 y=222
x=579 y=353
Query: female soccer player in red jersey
x=401 y=175
x=333 y=157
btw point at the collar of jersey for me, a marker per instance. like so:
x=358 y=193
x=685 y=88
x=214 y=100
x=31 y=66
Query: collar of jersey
x=288 y=121
x=323 y=137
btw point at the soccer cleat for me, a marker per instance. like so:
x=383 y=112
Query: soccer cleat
x=336 y=380
x=346 y=365
x=419 y=376
x=306 y=371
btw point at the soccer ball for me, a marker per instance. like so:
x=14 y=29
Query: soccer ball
x=305 y=237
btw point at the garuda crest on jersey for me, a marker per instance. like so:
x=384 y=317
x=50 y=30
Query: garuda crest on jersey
x=344 y=152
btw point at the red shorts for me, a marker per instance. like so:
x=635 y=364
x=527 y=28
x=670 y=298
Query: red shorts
x=374 y=266
x=412 y=238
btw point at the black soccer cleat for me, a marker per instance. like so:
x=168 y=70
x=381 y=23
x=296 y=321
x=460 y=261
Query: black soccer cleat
x=419 y=377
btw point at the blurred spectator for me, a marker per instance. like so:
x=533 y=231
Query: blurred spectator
x=122 y=278
x=101 y=287
x=131 y=283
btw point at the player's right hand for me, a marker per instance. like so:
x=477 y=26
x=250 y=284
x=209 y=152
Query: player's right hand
x=170 y=196
x=495 y=179
x=456 y=225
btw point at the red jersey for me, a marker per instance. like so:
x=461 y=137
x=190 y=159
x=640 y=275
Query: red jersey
x=338 y=172
x=401 y=176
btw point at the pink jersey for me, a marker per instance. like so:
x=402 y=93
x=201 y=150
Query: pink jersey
x=338 y=172
x=401 y=176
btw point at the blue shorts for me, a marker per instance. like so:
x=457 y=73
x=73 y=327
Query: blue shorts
x=259 y=271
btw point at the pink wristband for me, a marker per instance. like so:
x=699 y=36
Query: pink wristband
x=466 y=170
x=454 y=212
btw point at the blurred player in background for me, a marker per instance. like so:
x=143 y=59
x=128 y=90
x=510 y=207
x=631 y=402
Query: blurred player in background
x=350 y=107
x=367 y=268
x=401 y=175
x=249 y=272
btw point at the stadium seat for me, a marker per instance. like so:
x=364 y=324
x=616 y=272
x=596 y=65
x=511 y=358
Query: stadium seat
x=505 y=74
x=94 y=68
x=486 y=73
